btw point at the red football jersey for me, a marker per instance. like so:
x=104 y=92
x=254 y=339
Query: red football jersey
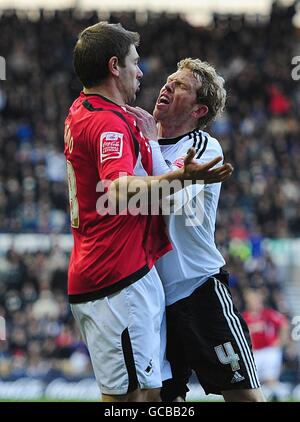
x=110 y=251
x=265 y=327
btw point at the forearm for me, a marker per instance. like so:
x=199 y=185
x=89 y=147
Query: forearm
x=150 y=189
x=154 y=188
x=159 y=164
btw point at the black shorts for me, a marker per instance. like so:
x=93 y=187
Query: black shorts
x=206 y=333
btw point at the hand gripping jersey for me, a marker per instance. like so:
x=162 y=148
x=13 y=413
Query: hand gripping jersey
x=194 y=257
x=110 y=251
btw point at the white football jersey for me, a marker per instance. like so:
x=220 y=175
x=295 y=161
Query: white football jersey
x=194 y=257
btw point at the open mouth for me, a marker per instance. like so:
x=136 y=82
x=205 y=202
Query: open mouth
x=163 y=100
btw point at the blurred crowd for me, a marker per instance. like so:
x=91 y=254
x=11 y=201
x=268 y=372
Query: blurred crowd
x=259 y=132
x=42 y=341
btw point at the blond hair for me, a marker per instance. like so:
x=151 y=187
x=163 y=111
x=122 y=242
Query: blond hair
x=211 y=92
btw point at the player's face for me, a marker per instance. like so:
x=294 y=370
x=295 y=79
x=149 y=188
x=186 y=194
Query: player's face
x=130 y=76
x=177 y=98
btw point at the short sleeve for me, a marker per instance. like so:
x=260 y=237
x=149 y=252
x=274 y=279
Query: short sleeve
x=113 y=147
x=208 y=151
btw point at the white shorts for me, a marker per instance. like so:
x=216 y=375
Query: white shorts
x=126 y=336
x=268 y=362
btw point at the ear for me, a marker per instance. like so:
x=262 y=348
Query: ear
x=200 y=111
x=113 y=66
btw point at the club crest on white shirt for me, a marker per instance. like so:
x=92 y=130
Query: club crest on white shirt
x=179 y=162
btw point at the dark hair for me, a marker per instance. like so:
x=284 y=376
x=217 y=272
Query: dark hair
x=96 y=45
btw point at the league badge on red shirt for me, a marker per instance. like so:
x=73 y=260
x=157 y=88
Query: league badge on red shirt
x=111 y=146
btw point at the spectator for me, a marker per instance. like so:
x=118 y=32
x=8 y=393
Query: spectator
x=269 y=331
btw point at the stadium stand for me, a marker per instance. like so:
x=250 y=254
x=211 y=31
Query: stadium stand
x=259 y=133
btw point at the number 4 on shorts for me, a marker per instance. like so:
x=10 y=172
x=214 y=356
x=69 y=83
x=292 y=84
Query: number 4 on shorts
x=227 y=355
